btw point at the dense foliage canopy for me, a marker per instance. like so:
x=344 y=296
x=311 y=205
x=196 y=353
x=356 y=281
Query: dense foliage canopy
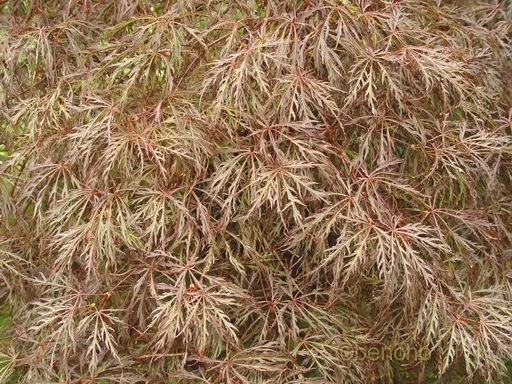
x=225 y=191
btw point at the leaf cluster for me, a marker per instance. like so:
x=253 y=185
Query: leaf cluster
x=237 y=192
